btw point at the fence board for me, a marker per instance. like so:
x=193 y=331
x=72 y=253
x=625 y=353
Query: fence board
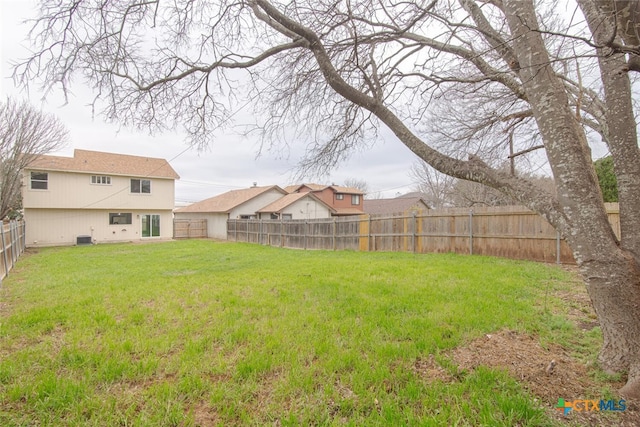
x=505 y=231
x=189 y=228
x=12 y=245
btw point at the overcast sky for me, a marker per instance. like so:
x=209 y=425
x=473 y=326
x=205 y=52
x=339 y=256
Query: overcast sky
x=231 y=161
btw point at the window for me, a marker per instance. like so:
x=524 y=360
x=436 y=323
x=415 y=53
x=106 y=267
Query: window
x=287 y=216
x=339 y=196
x=119 y=218
x=248 y=217
x=142 y=186
x=102 y=180
x=39 y=181
x=274 y=216
x=355 y=199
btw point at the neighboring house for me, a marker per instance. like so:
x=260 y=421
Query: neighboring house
x=399 y=205
x=96 y=197
x=343 y=200
x=412 y=195
x=297 y=206
x=235 y=204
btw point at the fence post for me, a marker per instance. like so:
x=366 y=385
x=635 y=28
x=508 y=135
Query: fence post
x=17 y=234
x=281 y=232
x=305 y=234
x=471 y=232
x=369 y=235
x=415 y=229
x=12 y=237
x=4 y=250
x=333 y=237
x=14 y=233
x=558 y=247
x=23 y=237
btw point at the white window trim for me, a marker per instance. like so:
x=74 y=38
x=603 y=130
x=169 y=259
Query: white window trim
x=31 y=180
x=95 y=180
x=141 y=181
x=130 y=216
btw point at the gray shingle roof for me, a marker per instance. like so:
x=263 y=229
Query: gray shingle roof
x=392 y=206
x=227 y=201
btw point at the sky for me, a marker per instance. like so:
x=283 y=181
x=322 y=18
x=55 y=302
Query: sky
x=230 y=162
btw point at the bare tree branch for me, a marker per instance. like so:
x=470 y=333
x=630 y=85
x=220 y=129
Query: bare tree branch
x=25 y=133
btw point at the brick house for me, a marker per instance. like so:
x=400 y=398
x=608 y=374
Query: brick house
x=343 y=200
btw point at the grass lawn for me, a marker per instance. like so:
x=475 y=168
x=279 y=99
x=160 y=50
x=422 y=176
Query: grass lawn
x=205 y=333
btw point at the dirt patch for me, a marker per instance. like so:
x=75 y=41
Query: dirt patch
x=431 y=370
x=548 y=373
x=205 y=415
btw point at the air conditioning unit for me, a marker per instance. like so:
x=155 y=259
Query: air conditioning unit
x=83 y=240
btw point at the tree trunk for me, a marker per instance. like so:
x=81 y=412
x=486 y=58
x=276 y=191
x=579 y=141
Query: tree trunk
x=621 y=133
x=611 y=273
x=614 y=288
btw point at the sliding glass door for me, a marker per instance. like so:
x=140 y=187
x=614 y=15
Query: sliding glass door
x=150 y=225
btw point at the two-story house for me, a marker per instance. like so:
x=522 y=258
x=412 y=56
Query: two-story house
x=96 y=197
x=343 y=200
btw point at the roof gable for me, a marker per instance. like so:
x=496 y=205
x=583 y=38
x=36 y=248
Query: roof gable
x=86 y=161
x=225 y=202
x=304 y=188
x=391 y=206
x=290 y=199
x=346 y=190
x=320 y=187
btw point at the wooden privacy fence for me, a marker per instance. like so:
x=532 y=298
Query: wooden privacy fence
x=189 y=228
x=13 y=244
x=504 y=231
x=330 y=233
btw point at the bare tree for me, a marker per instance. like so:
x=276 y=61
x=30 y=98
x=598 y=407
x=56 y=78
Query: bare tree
x=442 y=190
x=436 y=187
x=374 y=195
x=359 y=184
x=469 y=194
x=24 y=133
x=452 y=79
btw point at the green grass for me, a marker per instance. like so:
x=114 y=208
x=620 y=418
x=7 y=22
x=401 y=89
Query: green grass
x=203 y=333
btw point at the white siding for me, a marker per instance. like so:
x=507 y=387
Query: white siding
x=307 y=208
x=250 y=207
x=52 y=227
x=67 y=190
x=216 y=222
